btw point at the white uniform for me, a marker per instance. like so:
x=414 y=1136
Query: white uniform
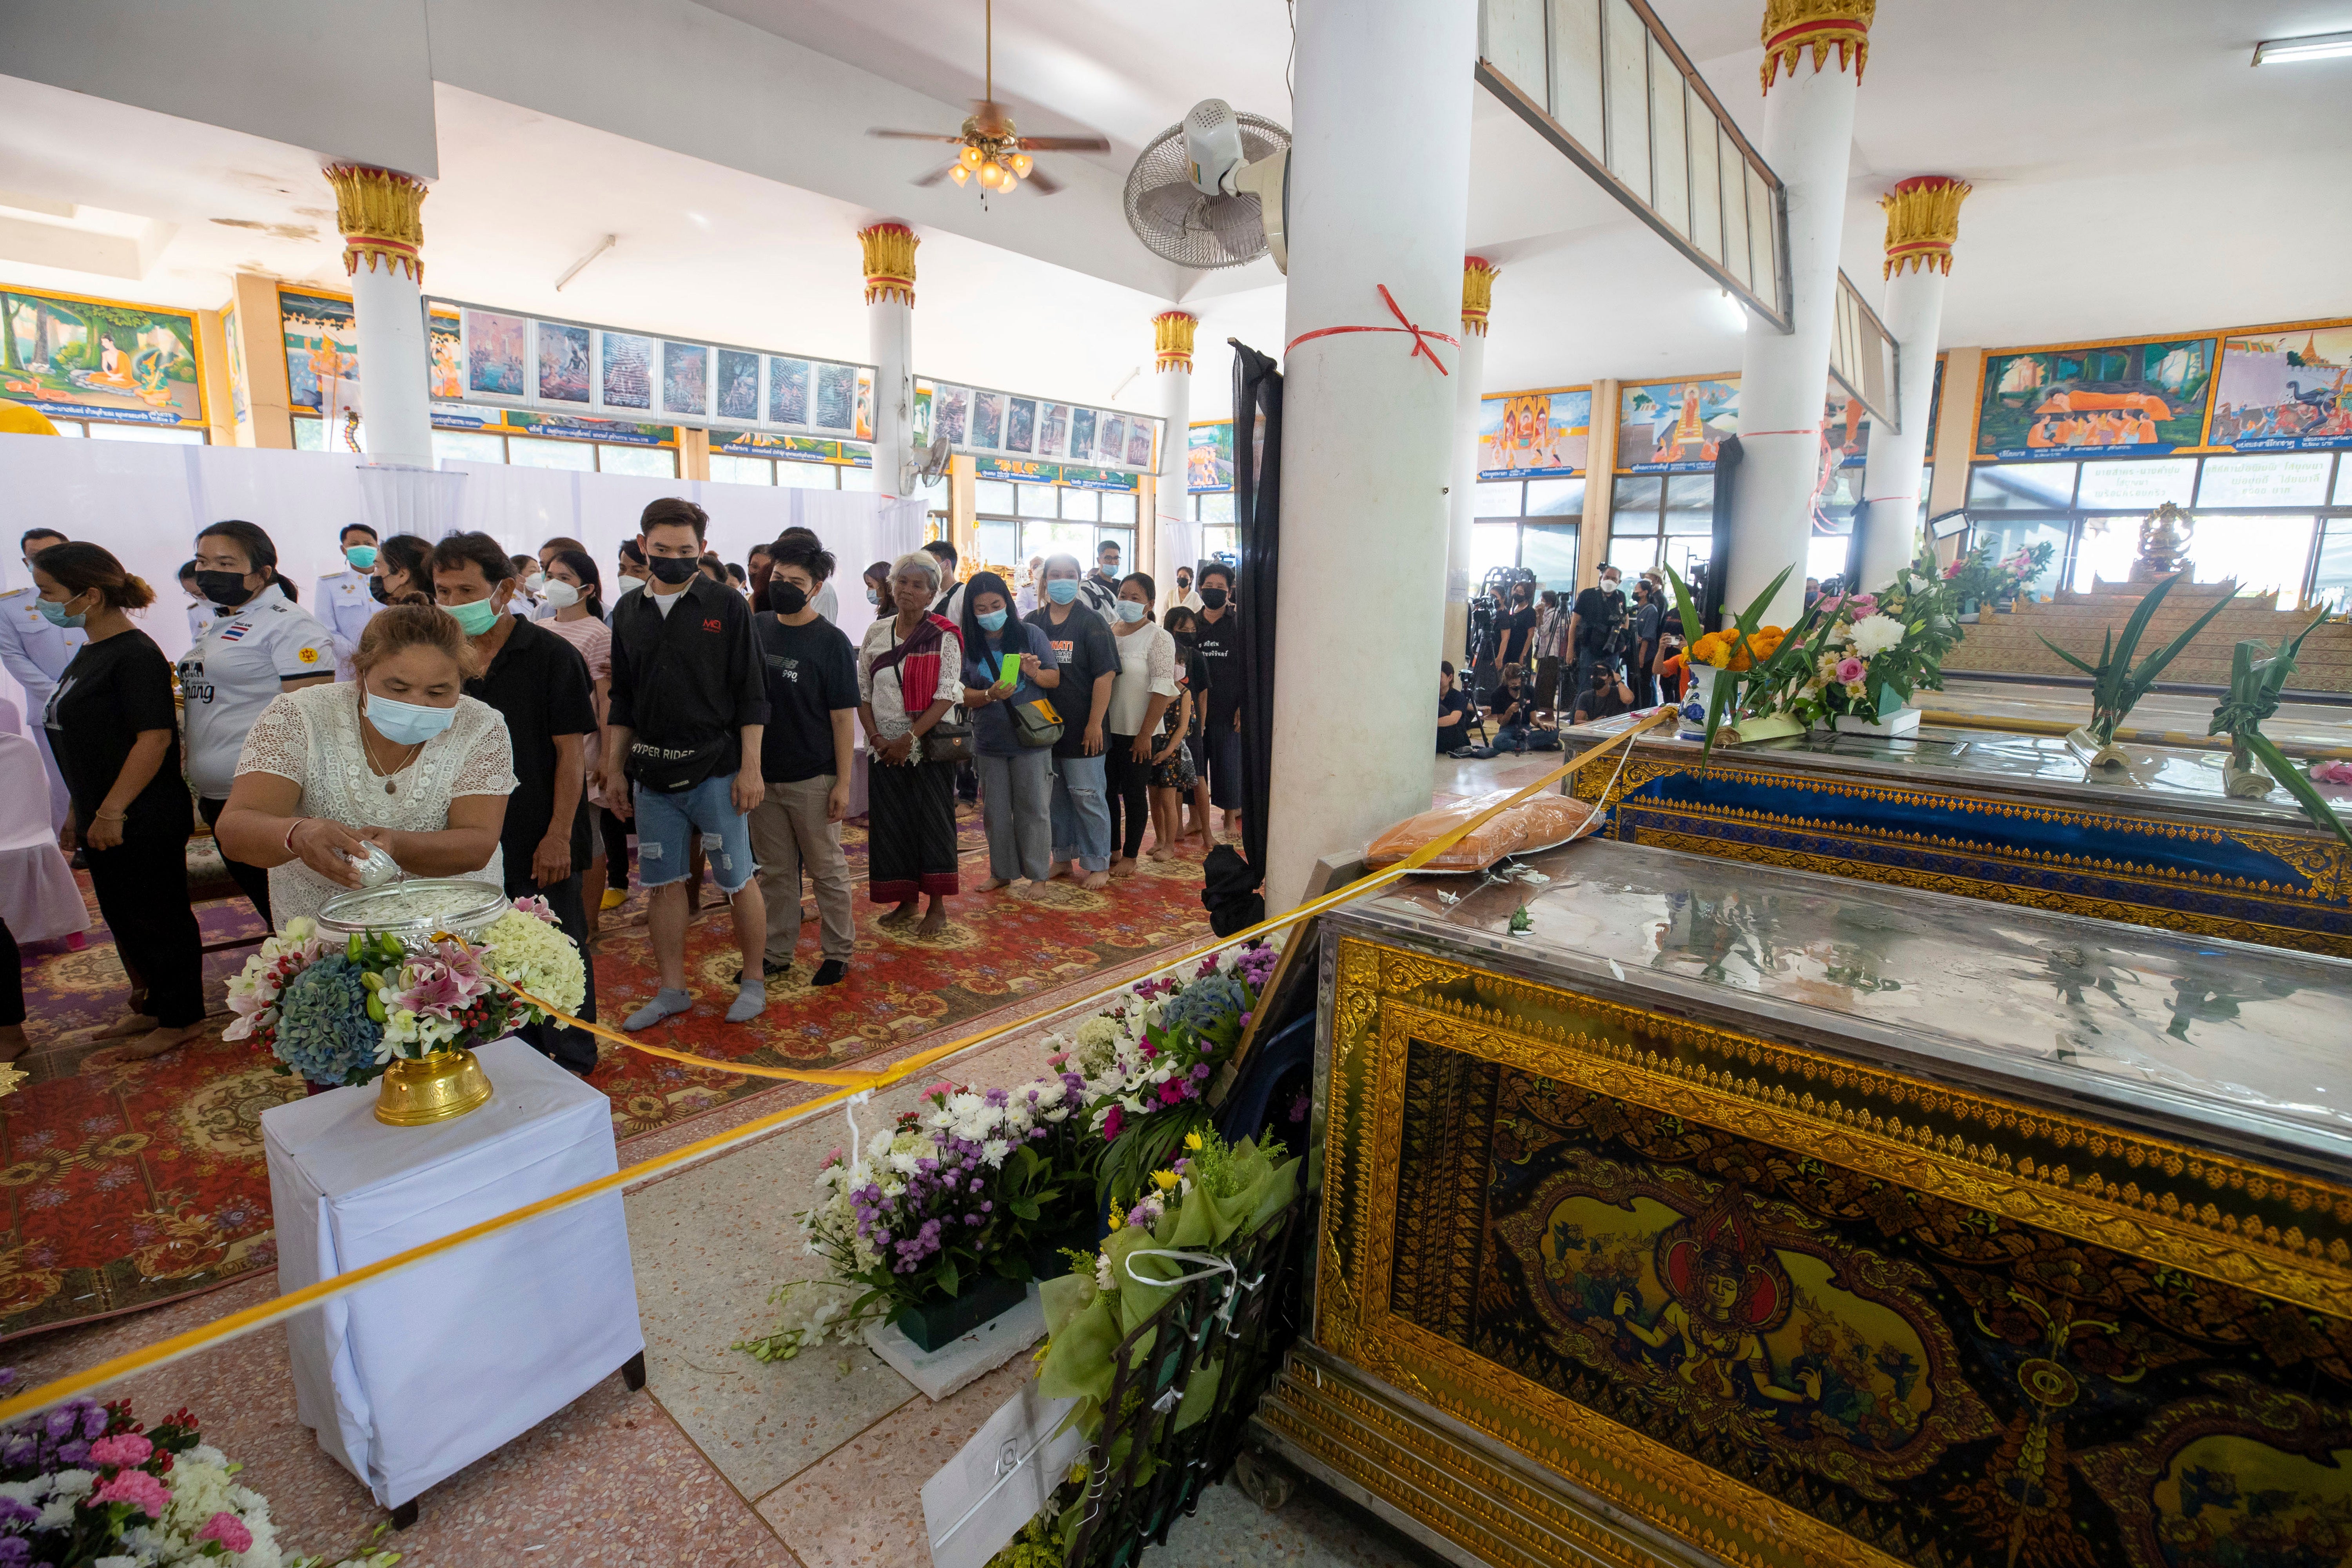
x=229 y=676
x=828 y=604
x=200 y=615
x=35 y=651
x=345 y=606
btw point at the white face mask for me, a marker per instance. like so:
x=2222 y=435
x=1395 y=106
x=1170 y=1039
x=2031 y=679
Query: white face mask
x=535 y=583
x=559 y=592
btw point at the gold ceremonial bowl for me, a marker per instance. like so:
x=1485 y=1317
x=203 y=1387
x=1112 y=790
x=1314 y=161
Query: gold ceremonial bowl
x=416 y=1091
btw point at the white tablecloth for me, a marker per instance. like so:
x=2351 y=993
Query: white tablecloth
x=408 y=1379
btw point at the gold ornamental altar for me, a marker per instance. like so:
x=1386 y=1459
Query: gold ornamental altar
x=1729 y=1214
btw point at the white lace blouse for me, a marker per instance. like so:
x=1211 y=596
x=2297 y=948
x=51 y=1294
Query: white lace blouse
x=313 y=736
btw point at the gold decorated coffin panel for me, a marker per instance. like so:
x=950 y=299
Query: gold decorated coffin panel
x=1790 y=1310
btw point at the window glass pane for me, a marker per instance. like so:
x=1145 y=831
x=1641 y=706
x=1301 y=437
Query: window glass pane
x=850 y=478
x=992 y=496
x=469 y=447
x=71 y=427
x=1688 y=555
x=2342 y=481
x=994 y=541
x=2281 y=479
x=1576 y=69
x=728 y=470
x=1072 y=538
x=2332 y=586
x=2144 y=483
x=641 y=462
x=1122 y=537
x=538 y=452
x=310 y=435
x=1119 y=506
x=1625 y=46
x=1217 y=510
x=1492 y=545
x=1555 y=497
x=161 y=434
x=1670 y=178
x=1081 y=506
x=1690 y=503
x=1502 y=499
x=1035 y=500
x=2028 y=485
x=1637 y=493
x=2008 y=538
x=1826 y=555
x=1549 y=550
x=1222 y=543
x=2266 y=555
x=2109 y=545
x=805 y=476
x=1634 y=553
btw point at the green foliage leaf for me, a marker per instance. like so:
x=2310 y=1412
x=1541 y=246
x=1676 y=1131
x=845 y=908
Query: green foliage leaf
x=2298 y=784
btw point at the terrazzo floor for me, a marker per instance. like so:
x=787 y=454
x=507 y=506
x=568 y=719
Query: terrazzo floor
x=816 y=1462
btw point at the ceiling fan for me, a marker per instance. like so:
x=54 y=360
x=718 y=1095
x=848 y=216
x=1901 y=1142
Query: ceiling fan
x=988 y=147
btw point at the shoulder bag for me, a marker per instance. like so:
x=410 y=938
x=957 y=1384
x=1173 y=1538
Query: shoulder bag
x=670 y=770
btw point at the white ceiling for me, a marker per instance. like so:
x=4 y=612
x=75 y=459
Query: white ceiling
x=2132 y=174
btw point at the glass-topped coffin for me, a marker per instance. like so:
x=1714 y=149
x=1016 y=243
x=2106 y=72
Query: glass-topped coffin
x=2015 y=818
x=1724 y=1213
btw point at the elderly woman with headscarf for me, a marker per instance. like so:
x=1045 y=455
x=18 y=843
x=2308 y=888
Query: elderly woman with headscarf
x=908 y=678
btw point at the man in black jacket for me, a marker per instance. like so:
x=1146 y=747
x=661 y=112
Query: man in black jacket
x=689 y=705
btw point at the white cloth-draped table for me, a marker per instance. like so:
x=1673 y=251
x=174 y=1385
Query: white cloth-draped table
x=38 y=897
x=408 y=1379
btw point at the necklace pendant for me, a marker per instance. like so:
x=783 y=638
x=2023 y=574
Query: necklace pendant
x=389 y=786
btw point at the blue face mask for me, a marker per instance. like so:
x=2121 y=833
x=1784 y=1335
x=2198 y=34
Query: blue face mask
x=1131 y=612
x=1062 y=590
x=476 y=618
x=54 y=612
x=991 y=620
x=360 y=556
x=408 y=723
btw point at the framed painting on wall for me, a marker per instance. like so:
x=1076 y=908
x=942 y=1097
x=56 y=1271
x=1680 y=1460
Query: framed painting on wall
x=2138 y=398
x=566 y=371
x=738 y=387
x=2285 y=389
x=323 y=352
x=836 y=397
x=988 y=419
x=1524 y=434
x=1053 y=429
x=1674 y=426
x=1209 y=456
x=494 y=361
x=1021 y=424
x=686 y=379
x=951 y=411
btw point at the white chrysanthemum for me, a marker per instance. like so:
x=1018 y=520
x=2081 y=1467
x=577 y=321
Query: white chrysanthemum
x=1874 y=634
x=1103 y=1280
x=537 y=956
x=994 y=1151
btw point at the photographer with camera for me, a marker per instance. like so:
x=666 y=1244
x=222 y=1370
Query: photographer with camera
x=1598 y=625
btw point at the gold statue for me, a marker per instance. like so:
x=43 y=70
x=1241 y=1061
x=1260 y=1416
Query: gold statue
x=2164 y=536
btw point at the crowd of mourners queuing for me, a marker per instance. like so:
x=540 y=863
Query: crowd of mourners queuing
x=525 y=722
x=1556 y=660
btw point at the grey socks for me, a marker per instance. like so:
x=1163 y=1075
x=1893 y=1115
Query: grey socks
x=666 y=1004
x=750 y=1000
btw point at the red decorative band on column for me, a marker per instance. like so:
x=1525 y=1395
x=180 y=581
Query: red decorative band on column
x=1422 y=336
x=1922 y=219
x=889 y=261
x=1477 y=293
x=380 y=215
x=1792 y=26
x=1172 y=340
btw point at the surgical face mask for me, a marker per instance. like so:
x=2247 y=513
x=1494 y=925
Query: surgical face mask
x=1212 y=599
x=873 y=596
x=990 y=620
x=226 y=589
x=54 y=612
x=1131 y=612
x=1062 y=590
x=408 y=723
x=561 y=594
x=360 y=556
x=673 y=569
x=788 y=598
x=535 y=583
x=476 y=618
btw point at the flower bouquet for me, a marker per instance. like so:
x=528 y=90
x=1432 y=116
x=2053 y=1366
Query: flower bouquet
x=1977 y=580
x=1149 y=1058
x=1728 y=664
x=1867 y=654
x=340 y=1015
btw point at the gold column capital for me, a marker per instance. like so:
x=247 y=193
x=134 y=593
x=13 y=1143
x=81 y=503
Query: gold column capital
x=1477 y=292
x=1922 y=219
x=1172 y=340
x=889 y=261
x=380 y=214
x=1792 y=26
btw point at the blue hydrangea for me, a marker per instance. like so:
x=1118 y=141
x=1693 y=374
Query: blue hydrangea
x=1205 y=1005
x=323 y=1029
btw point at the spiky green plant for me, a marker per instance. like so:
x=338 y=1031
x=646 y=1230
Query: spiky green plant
x=2257 y=676
x=2116 y=685
x=1748 y=623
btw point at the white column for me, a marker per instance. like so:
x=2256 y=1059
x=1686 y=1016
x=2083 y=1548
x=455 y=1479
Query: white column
x=1462 y=493
x=1367 y=421
x=1178 y=538
x=1784 y=376
x=1922 y=219
x=383 y=235
x=890 y=341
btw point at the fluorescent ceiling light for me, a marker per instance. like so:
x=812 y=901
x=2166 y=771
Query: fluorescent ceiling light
x=2318 y=47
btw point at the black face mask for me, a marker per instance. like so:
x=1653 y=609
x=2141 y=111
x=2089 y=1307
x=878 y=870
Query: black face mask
x=786 y=598
x=673 y=568
x=1212 y=599
x=226 y=589
x=376 y=588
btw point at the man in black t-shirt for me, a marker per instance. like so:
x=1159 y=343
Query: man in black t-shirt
x=1601 y=614
x=539 y=683
x=1219 y=644
x=805 y=757
x=1519 y=628
x=1452 y=713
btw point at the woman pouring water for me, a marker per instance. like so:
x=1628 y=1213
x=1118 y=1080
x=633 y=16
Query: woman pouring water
x=397 y=757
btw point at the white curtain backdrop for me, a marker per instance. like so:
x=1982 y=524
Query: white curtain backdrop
x=144 y=502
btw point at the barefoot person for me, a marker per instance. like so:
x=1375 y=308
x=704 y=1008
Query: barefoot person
x=906 y=670
x=116 y=736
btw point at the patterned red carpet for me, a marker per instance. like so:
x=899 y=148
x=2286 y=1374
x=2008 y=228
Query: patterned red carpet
x=132 y=1185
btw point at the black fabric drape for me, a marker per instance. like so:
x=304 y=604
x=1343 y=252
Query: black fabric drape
x=1257 y=512
x=1710 y=595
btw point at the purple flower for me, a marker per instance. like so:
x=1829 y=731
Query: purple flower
x=65 y=1420
x=15 y=1515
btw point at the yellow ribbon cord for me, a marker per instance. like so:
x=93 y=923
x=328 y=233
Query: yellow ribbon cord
x=279 y=1308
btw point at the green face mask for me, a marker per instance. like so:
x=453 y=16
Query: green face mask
x=476 y=618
